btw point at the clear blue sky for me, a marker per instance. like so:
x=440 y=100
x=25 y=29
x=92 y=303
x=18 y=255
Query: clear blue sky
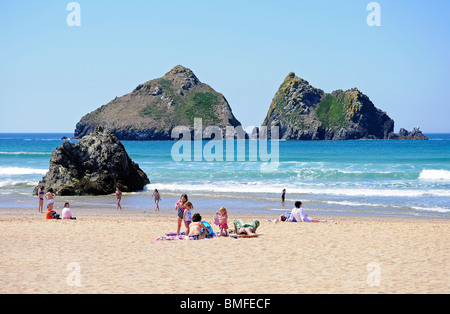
x=52 y=74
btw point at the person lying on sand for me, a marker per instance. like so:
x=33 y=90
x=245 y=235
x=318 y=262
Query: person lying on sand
x=244 y=230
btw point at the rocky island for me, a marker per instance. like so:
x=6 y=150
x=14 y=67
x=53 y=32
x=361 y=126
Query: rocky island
x=303 y=112
x=153 y=109
x=96 y=165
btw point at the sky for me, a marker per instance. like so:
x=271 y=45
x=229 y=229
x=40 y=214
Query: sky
x=52 y=74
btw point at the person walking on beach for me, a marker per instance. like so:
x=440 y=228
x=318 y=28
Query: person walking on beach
x=119 y=198
x=157 y=198
x=41 y=200
x=50 y=196
x=179 y=207
x=283 y=197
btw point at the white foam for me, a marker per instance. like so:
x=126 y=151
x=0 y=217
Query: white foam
x=432 y=209
x=21 y=171
x=25 y=153
x=12 y=183
x=260 y=188
x=435 y=175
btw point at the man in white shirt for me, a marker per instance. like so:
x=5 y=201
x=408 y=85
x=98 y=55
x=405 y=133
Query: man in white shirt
x=298 y=215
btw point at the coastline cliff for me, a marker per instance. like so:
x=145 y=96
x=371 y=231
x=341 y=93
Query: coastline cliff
x=303 y=112
x=153 y=109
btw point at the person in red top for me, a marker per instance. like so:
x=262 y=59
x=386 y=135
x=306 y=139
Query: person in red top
x=51 y=214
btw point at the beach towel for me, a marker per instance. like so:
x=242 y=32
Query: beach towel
x=174 y=233
x=178 y=238
x=172 y=238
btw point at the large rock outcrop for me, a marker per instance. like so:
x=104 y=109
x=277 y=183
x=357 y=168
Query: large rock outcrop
x=154 y=108
x=96 y=165
x=303 y=112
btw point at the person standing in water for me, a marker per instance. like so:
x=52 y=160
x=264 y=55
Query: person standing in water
x=119 y=198
x=283 y=197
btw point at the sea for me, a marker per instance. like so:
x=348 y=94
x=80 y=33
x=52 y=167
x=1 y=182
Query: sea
x=395 y=178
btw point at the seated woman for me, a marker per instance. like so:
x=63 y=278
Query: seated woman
x=66 y=213
x=195 y=228
x=244 y=230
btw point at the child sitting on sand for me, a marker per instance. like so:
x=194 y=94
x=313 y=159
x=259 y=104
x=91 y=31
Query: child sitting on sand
x=195 y=228
x=51 y=214
x=222 y=216
x=187 y=215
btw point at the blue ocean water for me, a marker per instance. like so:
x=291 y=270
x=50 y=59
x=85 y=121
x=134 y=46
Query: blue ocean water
x=374 y=178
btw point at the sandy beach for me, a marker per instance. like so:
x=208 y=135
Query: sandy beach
x=115 y=252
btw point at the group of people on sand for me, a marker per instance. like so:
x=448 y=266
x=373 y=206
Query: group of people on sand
x=192 y=222
x=196 y=229
x=66 y=213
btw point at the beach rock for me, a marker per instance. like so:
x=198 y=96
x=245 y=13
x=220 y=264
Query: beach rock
x=96 y=165
x=153 y=109
x=303 y=112
x=415 y=134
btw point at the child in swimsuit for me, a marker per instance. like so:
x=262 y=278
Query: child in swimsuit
x=180 y=211
x=222 y=216
x=187 y=215
x=195 y=229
